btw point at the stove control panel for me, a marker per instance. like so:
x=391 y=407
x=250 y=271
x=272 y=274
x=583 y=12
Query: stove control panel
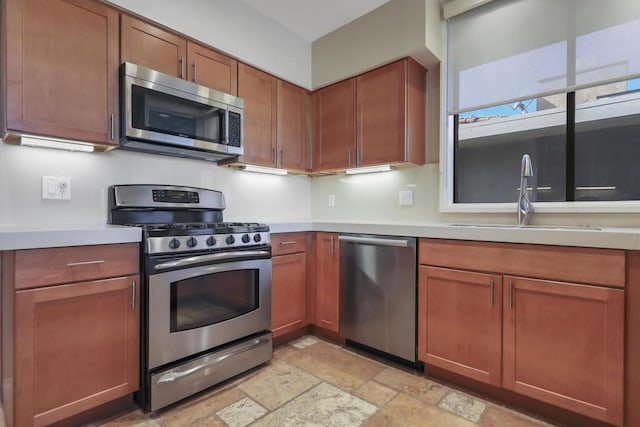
x=180 y=244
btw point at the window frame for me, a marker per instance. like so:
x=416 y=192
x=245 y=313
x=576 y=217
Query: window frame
x=446 y=170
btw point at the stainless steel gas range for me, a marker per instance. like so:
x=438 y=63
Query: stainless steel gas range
x=206 y=294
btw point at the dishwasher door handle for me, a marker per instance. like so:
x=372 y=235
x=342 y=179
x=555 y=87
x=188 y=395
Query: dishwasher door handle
x=400 y=243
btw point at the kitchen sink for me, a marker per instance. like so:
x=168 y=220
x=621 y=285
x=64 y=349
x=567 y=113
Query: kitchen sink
x=531 y=227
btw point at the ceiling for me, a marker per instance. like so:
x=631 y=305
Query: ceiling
x=312 y=19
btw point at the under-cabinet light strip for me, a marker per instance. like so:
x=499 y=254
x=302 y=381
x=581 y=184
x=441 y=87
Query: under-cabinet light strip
x=60 y=144
x=262 y=169
x=369 y=169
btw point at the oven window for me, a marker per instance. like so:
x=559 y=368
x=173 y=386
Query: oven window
x=159 y=112
x=213 y=298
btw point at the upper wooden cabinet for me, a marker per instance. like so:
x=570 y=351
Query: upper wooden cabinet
x=292 y=127
x=375 y=118
x=258 y=90
x=62 y=69
x=334 y=125
x=167 y=52
x=276 y=116
x=391 y=114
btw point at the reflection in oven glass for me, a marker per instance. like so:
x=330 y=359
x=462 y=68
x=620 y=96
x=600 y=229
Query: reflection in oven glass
x=205 y=300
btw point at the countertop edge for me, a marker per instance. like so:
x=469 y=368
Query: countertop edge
x=40 y=237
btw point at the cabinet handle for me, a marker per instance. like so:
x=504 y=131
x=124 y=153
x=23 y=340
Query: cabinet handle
x=133 y=295
x=290 y=242
x=72 y=264
x=282 y=158
x=273 y=156
x=181 y=69
x=113 y=126
x=195 y=72
x=510 y=295
x=333 y=250
x=491 y=293
x=349 y=155
x=358 y=156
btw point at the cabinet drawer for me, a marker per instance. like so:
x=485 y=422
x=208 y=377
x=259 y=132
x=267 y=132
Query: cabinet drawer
x=288 y=243
x=42 y=267
x=568 y=264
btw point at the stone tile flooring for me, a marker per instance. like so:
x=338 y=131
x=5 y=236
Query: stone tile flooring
x=311 y=382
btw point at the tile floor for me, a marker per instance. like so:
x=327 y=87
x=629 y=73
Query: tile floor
x=311 y=382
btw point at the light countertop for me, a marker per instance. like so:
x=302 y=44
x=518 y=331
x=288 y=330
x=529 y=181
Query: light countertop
x=604 y=237
x=50 y=237
x=12 y=238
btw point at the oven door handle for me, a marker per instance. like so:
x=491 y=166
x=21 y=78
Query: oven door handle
x=223 y=256
x=172 y=376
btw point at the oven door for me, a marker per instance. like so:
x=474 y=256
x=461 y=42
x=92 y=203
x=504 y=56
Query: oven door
x=200 y=302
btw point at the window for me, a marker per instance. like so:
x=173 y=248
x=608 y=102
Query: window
x=549 y=78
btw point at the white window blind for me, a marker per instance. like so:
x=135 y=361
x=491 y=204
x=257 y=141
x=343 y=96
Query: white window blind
x=510 y=50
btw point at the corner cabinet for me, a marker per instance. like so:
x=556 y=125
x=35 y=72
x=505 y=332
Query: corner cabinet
x=75 y=312
x=548 y=324
x=289 y=283
x=375 y=118
x=62 y=69
x=327 y=286
x=276 y=121
x=161 y=50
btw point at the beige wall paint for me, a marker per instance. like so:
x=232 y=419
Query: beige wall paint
x=394 y=30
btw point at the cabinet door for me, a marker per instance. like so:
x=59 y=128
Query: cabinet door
x=334 y=115
x=327 y=281
x=563 y=344
x=258 y=90
x=288 y=293
x=62 y=69
x=381 y=115
x=152 y=47
x=292 y=115
x=212 y=69
x=460 y=322
x=77 y=346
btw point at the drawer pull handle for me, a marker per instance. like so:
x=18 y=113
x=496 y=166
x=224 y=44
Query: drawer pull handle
x=73 y=264
x=290 y=242
x=510 y=295
x=491 y=293
x=133 y=295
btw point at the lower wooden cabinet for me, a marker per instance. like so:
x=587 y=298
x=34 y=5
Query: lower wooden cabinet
x=558 y=342
x=564 y=345
x=327 y=297
x=288 y=293
x=460 y=325
x=289 y=283
x=76 y=347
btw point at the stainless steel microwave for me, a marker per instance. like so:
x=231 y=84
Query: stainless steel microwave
x=163 y=114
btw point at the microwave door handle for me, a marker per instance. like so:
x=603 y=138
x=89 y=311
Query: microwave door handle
x=223 y=256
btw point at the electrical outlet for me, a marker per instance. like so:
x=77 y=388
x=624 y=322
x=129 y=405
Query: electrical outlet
x=405 y=198
x=56 y=187
x=332 y=200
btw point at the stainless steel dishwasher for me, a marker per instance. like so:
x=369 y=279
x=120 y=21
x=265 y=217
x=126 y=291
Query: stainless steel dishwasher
x=378 y=290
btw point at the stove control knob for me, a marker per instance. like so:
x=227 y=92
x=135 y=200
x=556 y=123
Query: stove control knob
x=174 y=243
x=257 y=238
x=211 y=241
x=192 y=242
x=246 y=238
x=230 y=240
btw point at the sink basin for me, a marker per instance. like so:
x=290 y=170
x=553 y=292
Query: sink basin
x=531 y=227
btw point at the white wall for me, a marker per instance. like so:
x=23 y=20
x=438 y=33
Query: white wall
x=235 y=28
x=249 y=196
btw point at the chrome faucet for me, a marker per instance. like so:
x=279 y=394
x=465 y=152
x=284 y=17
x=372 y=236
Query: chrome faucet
x=525 y=208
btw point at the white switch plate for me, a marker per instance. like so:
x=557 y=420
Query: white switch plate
x=56 y=187
x=405 y=198
x=332 y=200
